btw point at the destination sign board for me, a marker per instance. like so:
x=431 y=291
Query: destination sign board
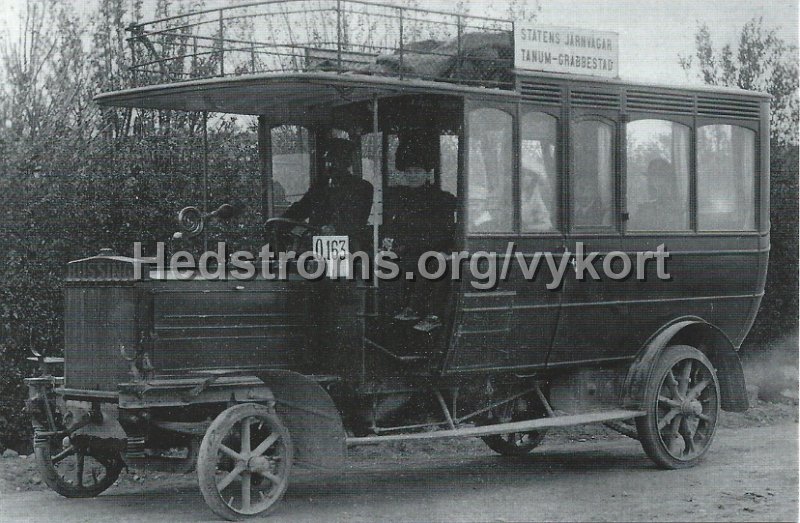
x=566 y=50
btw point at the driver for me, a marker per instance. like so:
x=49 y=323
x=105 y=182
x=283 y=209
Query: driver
x=339 y=202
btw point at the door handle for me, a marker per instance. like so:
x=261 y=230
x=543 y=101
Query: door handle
x=570 y=256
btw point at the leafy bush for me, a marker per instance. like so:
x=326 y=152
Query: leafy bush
x=778 y=315
x=49 y=219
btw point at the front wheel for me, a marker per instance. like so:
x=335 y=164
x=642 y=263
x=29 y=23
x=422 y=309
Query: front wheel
x=682 y=404
x=244 y=462
x=75 y=470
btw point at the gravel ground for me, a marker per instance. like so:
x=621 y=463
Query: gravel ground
x=749 y=475
x=19 y=474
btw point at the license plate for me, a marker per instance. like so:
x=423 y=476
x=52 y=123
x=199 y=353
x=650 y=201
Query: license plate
x=334 y=250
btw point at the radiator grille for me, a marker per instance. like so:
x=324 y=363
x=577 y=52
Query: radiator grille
x=98 y=321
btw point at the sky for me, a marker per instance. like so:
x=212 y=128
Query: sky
x=652 y=33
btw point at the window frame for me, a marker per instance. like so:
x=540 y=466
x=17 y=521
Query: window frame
x=558 y=114
x=615 y=120
x=754 y=126
x=512 y=109
x=689 y=122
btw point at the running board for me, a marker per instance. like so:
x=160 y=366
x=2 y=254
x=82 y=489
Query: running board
x=505 y=428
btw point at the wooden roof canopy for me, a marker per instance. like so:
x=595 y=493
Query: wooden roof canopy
x=280 y=97
x=297 y=79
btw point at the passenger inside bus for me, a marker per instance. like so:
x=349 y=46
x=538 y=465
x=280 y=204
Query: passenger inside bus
x=589 y=210
x=662 y=209
x=536 y=216
x=420 y=219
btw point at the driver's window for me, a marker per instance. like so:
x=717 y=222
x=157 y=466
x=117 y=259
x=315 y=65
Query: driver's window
x=448 y=163
x=490 y=171
x=291 y=165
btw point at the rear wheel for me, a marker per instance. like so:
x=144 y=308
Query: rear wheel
x=517 y=443
x=244 y=462
x=74 y=470
x=682 y=403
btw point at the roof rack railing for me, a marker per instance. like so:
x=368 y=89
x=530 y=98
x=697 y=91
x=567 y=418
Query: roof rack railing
x=341 y=36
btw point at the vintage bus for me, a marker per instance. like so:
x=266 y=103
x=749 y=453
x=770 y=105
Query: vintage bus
x=251 y=379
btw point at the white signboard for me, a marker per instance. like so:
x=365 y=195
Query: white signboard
x=334 y=250
x=566 y=50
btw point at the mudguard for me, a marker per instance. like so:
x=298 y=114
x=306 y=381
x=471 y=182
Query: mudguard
x=707 y=338
x=313 y=420
x=107 y=428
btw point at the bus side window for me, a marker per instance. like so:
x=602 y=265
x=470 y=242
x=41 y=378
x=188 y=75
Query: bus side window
x=448 y=162
x=490 y=171
x=538 y=173
x=658 y=175
x=726 y=159
x=592 y=176
x=291 y=165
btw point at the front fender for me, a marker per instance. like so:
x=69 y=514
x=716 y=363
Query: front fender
x=314 y=422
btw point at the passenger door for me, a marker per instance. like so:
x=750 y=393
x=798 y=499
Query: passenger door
x=591 y=317
x=511 y=324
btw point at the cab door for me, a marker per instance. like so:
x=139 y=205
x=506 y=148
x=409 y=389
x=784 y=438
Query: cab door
x=503 y=319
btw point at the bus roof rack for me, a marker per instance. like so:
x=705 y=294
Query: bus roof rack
x=341 y=36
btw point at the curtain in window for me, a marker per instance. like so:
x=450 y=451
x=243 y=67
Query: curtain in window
x=490 y=172
x=538 y=177
x=680 y=161
x=604 y=170
x=592 y=174
x=725 y=178
x=744 y=164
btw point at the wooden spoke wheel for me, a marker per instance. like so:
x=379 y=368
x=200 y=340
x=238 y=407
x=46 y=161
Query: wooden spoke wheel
x=244 y=462
x=682 y=408
x=76 y=471
x=517 y=443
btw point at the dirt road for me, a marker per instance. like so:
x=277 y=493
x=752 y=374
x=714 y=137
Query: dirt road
x=750 y=475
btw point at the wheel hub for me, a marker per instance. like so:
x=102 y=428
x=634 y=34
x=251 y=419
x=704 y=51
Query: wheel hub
x=259 y=464
x=691 y=408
